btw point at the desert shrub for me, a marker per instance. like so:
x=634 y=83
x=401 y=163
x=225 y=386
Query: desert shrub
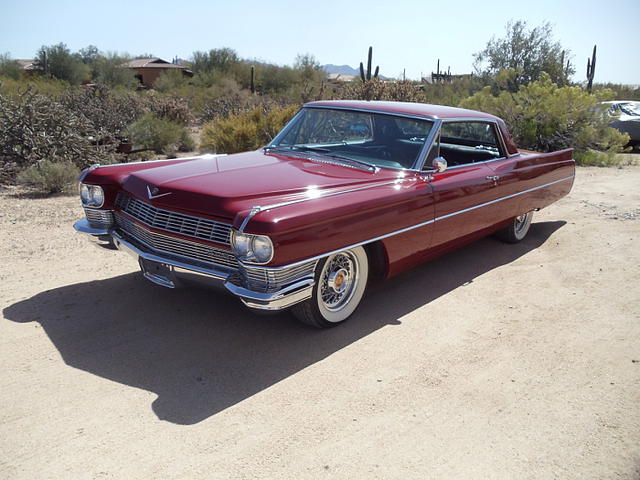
x=375 y=89
x=108 y=70
x=109 y=113
x=545 y=117
x=161 y=136
x=246 y=131
x=34 y=127
x=170 y=80
x=51 y=87
x=174 y=109
x=621 y=92
x=49 y=177
x=9 y=68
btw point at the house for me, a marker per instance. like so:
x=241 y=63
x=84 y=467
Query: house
x=149 y=69
x=27 y=65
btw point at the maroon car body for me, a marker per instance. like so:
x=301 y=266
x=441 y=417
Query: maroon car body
x=313 y=201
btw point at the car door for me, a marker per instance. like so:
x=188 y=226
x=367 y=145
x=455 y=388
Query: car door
x=466 y=192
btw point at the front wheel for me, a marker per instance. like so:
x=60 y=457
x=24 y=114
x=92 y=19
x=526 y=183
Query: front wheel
x=517 y=229
x=340 y=282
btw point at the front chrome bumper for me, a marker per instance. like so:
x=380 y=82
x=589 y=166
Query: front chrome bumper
x=171 y=273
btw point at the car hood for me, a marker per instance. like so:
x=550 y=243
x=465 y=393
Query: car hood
x=223 y=186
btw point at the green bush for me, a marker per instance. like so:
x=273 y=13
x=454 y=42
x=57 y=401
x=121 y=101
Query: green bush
x=170 y=80
x=57 y=61
x=9 y=68
x=246 y=131
x=49 y=177
x=544 y=117
x=50 y=87
x=159 y=135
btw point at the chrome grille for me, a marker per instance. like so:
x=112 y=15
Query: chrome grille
x=196 y=227
x=99 y=217
x=177 y=246
x=271 y=279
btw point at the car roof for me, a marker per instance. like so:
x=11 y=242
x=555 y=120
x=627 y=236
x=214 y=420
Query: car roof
x=406 y=108
x=619 y=102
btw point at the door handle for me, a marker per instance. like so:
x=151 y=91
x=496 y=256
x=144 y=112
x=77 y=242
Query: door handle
x=493 y=178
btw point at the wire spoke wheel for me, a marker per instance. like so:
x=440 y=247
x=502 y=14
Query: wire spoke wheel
x=341 y=280
x=517 y=230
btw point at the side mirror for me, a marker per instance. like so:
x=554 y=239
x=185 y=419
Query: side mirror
x=439 y=164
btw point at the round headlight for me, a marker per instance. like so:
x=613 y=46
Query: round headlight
x=85 y=194
x=262 y=249
x=241 y=244
x=97 y=195
x=91 y=195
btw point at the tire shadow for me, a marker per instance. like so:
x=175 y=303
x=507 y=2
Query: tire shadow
x=201 y=351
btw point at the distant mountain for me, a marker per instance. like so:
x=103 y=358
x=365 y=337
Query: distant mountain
x=345 y=70
x=341 y=69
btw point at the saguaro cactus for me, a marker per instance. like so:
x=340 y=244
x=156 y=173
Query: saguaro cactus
x=253 y=83
x=367 y=77
x=591 y=68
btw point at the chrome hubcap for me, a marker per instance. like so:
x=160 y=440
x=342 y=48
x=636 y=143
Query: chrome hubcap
x=521 y=222
x=338 y=280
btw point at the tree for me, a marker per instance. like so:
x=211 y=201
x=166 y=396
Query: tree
x=219 y=59
x=58 y=62
x=108 y=70
x=88 y=55
x=308 y=67
x=524 y=53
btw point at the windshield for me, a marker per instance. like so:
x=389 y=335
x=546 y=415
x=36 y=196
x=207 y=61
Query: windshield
x=631 y=108
x=360 y=138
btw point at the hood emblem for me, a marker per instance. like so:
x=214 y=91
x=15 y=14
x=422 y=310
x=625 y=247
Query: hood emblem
x=153 y=193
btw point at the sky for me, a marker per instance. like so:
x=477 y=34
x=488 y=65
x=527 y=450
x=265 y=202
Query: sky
x=409 y=35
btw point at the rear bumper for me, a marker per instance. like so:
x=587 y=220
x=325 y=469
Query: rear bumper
x=172 y=273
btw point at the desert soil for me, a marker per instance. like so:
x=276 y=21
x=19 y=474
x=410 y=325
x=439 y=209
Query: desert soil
x=495 y=361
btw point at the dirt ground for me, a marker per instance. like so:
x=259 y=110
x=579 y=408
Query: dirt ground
x=496 y=361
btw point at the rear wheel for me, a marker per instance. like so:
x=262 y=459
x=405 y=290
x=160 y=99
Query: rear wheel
x=517 y=229
x=340 y=282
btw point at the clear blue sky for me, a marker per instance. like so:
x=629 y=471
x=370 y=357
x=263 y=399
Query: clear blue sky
x=404 y=34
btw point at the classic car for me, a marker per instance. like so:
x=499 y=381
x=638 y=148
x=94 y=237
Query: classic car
x=624 y=116
x=347 y=191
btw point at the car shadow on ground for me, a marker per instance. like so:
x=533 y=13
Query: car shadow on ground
x=202 y=352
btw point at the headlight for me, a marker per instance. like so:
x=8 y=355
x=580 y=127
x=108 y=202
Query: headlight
x=251 y=248
x=91 y=195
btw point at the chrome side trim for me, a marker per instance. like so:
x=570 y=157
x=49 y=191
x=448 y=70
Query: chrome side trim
x=257 y=209
x=423 y=224
x=475 y=207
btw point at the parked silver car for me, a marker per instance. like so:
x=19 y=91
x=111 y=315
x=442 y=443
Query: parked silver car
x=625 y=117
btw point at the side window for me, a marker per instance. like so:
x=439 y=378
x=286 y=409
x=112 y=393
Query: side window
x=469 y=142
x=433 y=153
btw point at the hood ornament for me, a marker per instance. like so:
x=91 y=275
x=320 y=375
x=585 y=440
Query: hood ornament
x=153 y=193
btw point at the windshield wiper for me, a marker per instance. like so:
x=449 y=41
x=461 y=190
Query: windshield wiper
x=297 y=148
x=325 y=151
x=353 y=160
